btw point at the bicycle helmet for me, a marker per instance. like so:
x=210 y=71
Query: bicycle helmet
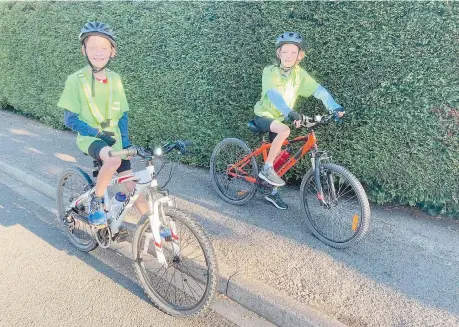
x=99 y=29
x=290 y=38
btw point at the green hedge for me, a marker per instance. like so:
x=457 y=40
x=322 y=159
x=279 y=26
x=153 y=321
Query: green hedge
x=192 y=70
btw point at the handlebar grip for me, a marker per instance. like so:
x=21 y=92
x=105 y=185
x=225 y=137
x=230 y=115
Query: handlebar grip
x=188 y=143
x=129 y=152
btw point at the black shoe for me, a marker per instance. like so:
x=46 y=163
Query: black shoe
x=277 y=201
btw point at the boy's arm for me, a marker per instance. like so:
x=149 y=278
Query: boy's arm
x=72 y=121
x=268 y=89
x=278 y=101
x=327 y=99
x=123 y=125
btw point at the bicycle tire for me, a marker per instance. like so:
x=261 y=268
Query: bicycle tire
x=359 y=216
x=244 y=190
x=89 y=243
x=146 y=276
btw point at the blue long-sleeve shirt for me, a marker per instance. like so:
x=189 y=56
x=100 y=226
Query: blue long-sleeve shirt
x=321 y=94
x=73 y=122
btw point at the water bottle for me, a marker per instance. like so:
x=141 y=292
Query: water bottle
x=281 y=159
x=116 y=203
x=165 y=233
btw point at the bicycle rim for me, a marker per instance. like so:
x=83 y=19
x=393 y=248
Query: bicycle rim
x=186 y=286
x=73 y=183
x=231 y=182
x=344 y=218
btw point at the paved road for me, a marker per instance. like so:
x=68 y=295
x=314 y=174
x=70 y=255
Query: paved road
x=404 y=273
x=45 y=281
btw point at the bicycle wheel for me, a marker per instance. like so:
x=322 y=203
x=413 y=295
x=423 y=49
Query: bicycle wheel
x=72 y=183
x=345 y=217
x=231 y=184
x=187 y=285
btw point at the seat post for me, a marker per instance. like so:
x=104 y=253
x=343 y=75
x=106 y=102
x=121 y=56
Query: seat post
x=97 y=164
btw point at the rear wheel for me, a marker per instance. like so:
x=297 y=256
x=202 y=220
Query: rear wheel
x=236 y=185
x=72 y=183
x=343 y=218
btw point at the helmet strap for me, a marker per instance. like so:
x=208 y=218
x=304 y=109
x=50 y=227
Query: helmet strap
x=94 y=70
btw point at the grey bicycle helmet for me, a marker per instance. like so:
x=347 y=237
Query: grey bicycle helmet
x=99 y=29
x=290 y=38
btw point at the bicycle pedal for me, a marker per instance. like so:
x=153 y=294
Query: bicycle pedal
x=121 y=236
x=98 y=227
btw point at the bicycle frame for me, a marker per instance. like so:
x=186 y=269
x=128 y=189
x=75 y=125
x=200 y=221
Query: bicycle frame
x=310 y=143
x=144 y=179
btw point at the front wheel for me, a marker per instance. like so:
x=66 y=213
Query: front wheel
x=185 y=285
x=342 y=217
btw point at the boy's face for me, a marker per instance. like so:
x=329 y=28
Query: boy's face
x=288 y=55
x=99 y=50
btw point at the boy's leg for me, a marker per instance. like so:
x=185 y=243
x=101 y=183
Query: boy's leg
x=141 y=202
x=267 y=173
x=99 y=150
x=109 y=167
x=282 y=131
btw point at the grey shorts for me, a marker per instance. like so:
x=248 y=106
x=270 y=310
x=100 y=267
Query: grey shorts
x=264 y=123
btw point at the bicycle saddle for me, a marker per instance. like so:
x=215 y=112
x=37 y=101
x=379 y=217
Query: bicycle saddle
x=254 y=128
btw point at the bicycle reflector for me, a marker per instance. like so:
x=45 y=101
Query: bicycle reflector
x=355 y=222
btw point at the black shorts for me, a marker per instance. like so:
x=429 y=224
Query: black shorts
x=264 y=123
x=94 y=151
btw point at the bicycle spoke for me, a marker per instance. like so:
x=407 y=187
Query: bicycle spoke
x=335 y=220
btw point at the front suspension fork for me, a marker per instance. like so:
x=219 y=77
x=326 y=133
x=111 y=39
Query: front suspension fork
x=155 y=224
x=316 y=166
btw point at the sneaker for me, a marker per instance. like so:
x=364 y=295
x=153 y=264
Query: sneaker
x=97 y=214
x=270 y=176
x=277 y=201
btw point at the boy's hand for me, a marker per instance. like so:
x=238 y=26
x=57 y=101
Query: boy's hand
x=293 y=115
x=127 y=147
x=339 y=113
x=106 y=137
x=297 y=123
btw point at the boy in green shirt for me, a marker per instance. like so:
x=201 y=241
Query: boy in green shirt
x=281 y=86
x=98 y=112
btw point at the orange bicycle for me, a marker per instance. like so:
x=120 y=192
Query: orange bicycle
x=335 y=204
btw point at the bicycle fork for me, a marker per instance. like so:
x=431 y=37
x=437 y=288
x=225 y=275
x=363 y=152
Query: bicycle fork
x=155 y=224
x=315 y=161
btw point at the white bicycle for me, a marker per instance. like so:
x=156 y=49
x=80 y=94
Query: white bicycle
x=173 y=257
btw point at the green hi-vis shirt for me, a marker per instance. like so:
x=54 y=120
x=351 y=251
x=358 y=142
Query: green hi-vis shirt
x=298 y=82
x=74 y=99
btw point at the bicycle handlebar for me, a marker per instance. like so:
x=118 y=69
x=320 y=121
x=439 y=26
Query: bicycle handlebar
x=133 y=151
x=310 y=122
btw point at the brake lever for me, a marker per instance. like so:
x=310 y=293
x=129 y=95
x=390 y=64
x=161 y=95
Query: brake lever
x=181 y=147
x=142 y=152
x=308 y=123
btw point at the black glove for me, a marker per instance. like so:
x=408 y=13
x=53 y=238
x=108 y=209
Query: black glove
x=335 y=114
x=293 y=115
x=106 y=137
